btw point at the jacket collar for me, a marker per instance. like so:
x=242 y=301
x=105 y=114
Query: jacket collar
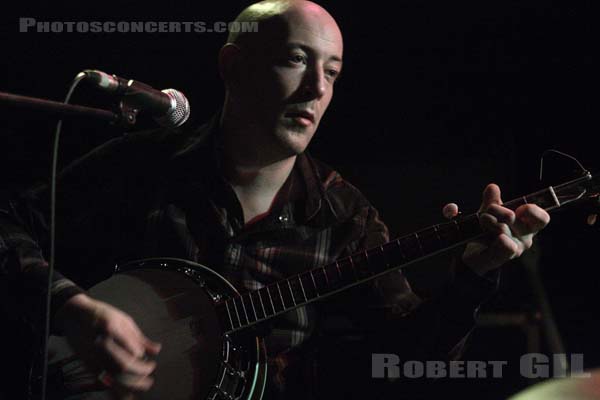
x=202 y=151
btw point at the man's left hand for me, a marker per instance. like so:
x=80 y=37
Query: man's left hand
x=510 y=233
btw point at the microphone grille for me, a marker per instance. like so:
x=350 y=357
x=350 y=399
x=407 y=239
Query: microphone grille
x=179 y=112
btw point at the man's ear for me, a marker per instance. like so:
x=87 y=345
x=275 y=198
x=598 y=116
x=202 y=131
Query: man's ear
x=229 y=59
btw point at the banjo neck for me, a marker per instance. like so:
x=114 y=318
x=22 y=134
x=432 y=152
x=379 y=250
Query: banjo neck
x=249 y=308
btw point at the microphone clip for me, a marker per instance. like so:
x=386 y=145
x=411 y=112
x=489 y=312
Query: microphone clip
x=127 y=114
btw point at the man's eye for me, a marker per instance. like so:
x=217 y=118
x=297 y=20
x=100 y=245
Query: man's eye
x=332 y=73
x=298 y=58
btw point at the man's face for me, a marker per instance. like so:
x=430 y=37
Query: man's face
x=290 y=84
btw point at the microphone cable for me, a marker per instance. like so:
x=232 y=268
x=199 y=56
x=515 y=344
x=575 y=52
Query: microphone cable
x=53 y=175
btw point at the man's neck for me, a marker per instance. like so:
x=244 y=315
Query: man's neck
x=257 y=187
x=255 y=179
x=259 y=178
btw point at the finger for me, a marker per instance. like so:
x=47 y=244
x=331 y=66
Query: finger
x=502 y=214
x=531 y=219
x=507 y=247
x=118 y=360
x=152 y=348
x=501 y=250
x=450 y=210
x=523 y=240
x=126 y=388
x=129 y=336
x=491 y=195
x=526 y=241
x=121 y=327
x=489 y=223
x=132 y=382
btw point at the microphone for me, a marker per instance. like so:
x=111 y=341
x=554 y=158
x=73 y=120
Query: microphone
x=169 y=107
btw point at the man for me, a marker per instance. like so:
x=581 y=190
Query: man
x=242 y=195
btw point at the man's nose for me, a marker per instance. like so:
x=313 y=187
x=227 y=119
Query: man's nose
x=314 y=83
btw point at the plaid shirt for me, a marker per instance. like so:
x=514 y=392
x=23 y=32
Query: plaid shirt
x=162 y=193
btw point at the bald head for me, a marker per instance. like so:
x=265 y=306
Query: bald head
x=274 y=16
x=279 y=80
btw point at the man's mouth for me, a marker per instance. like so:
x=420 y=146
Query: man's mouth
x=302 y=117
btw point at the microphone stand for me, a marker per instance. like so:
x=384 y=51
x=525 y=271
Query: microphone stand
x=553 y=337
x=126 y=115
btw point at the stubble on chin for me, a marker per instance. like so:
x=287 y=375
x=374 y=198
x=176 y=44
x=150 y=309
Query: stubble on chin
x=293 y=139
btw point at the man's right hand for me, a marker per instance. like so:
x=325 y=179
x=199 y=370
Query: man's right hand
x=109 y=342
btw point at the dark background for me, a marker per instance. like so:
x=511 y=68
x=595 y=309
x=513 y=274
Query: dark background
x=436 y=100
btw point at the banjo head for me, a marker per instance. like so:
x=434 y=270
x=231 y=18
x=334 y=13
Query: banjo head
x=172 y=309
x=174 y=303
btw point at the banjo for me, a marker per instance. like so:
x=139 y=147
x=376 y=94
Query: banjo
x=202 y=321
